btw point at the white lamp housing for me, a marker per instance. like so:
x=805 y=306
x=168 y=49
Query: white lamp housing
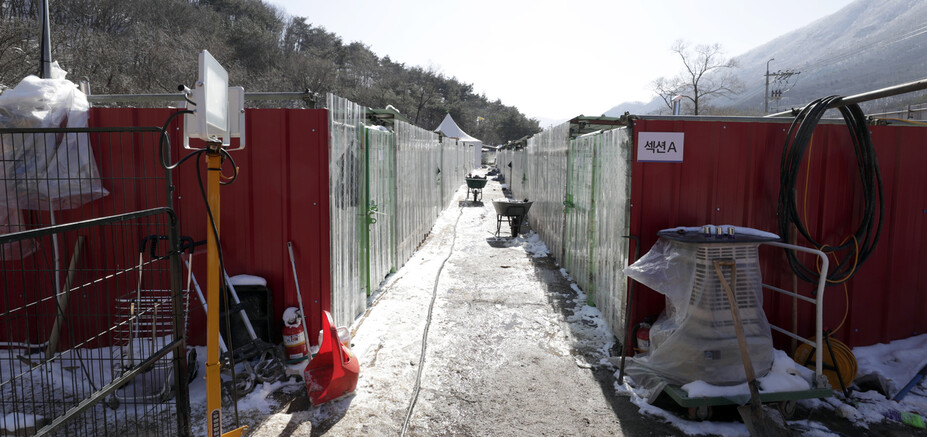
x=219 y=113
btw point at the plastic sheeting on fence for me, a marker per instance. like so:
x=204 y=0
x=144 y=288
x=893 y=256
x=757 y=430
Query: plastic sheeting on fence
x=455 y=165
x=381 y=186
x=545 y=184
x=611 y=223
x=581 y=189
x=387 y=188
x=346 y=185
x=579 y=209
x=418 y=187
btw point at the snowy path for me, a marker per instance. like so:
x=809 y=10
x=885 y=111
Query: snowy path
x=512 y=350
x=498 y=358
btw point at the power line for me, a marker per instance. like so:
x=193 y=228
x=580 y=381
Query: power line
x=877 y=44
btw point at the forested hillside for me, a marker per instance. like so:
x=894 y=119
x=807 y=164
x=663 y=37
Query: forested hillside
x=150 y=46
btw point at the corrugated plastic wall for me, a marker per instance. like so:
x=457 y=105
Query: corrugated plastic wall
x=455 y=164
x=579 y=209
x=347 y=182
x=381 y=160
x=545 y=184
x=611 y=221
x=418 y=187
x=592 y=213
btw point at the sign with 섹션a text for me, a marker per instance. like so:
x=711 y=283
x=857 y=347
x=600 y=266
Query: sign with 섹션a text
x=660 y=146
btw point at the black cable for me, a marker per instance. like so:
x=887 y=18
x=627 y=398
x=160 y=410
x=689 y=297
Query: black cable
x=165 y=143
x=863 y=241
x=165 y=146
x=421 y=360
x=222 y=284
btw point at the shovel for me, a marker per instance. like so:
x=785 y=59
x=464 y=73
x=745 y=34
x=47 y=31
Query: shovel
x=760 y=421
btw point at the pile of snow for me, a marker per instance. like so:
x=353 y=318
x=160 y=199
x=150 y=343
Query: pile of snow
x=724 y=229
x=534 y=246
x=244 y=280
x=785 y=375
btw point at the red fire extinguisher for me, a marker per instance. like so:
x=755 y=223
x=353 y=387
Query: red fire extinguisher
x=642 y=337
x=294 y=336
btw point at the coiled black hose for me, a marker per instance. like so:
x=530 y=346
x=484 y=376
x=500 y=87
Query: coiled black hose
x=863 y=241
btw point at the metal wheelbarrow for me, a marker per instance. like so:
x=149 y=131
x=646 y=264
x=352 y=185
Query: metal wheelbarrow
x=475 y=185
x=512 y=212
x=145 y=320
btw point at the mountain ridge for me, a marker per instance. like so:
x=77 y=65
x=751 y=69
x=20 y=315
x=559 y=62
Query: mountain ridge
x=861 y=47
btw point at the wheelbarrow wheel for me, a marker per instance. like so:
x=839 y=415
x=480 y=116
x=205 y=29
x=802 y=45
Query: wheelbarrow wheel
x=515 y=225
x=787 y=408
x=700 y=413
x=244 y=383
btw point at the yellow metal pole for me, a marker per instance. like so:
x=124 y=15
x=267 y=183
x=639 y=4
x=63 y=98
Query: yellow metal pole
x=213 y=367
x=213 y=267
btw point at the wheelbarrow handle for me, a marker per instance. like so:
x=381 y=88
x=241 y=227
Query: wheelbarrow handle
x=187 y=244
x=153 y=239
x=738 y=325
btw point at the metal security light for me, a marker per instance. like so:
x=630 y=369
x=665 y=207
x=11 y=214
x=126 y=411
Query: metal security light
x=219 y=113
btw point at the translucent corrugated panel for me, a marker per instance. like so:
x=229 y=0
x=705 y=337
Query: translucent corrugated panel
x=453 y=168
x=584 y=196
x=579 y=209
x=346 y=187
x=545 y=184
x=380 y=205
x=514 y=174
x=611 y=224
x=418 y=187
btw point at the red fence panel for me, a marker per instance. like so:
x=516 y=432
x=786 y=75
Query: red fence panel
x=730 y=175
x=281 y=195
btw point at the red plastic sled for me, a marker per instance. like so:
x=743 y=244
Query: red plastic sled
x=333 y=372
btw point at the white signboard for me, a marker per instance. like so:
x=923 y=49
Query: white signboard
x=660 y=146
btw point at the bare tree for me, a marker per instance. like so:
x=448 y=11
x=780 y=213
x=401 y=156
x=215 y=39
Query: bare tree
x=707 y=74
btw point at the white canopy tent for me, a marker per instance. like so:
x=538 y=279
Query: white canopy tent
x=450 y=129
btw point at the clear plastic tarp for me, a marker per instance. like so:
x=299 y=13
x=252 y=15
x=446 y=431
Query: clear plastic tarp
x=694 y=338
x=581 y=189
x=455 y=164
x=545 y=184
x=418 y=187
x=47 y=172
x=346 y=211
x=387 y=187
x=579 y=210
x=380 y=204
x=611 y=222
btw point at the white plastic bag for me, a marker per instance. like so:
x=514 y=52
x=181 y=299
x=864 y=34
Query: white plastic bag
x=45 y=171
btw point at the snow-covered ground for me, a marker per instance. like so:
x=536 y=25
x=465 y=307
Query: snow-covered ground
x=397 y=313
x=514 y=350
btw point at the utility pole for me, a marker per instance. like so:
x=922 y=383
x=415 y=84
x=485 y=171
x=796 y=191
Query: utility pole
x=766 y=93
x=778 y=76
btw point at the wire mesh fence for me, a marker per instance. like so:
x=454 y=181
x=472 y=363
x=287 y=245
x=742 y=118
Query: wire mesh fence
x=93 y=318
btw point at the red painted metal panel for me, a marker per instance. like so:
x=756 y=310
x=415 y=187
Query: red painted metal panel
x=731 y=176
x=281 y=195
